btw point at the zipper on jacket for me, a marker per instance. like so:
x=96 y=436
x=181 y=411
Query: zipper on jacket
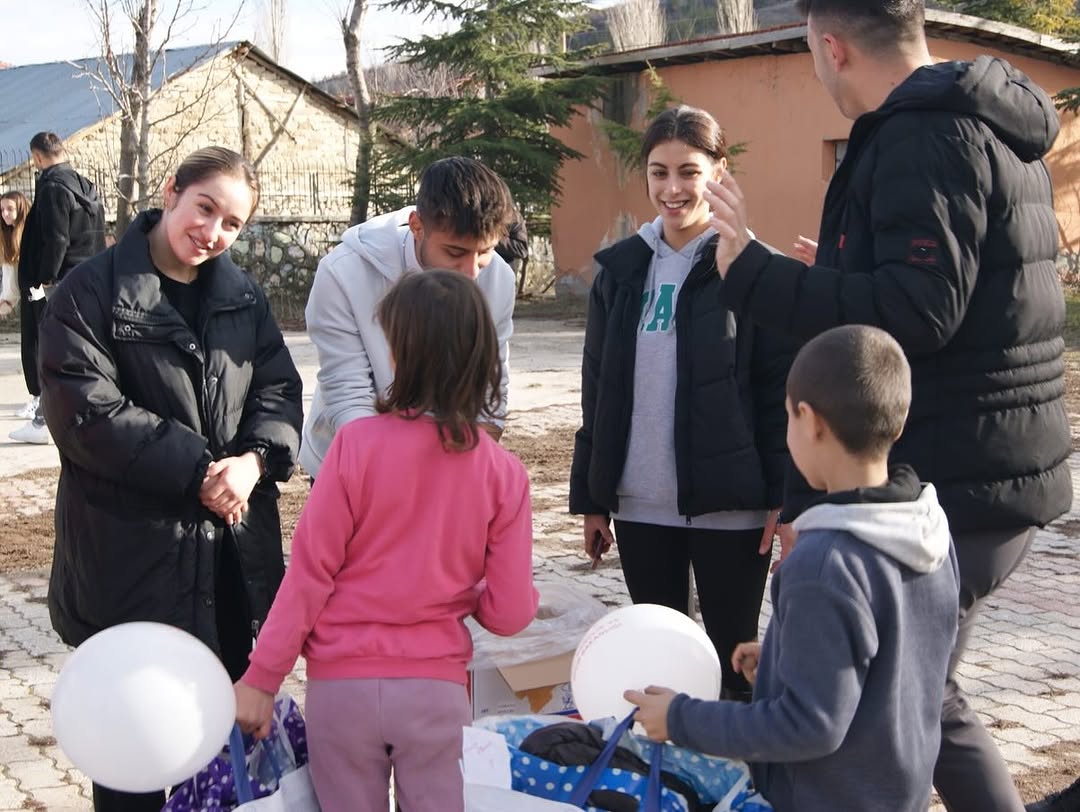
x=254 y=629
x=689 y=522
x=203 y=359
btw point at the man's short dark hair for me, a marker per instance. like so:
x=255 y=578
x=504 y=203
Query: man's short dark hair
x=858 y=380
x=47 y=143
x=466 y=198
x=874 y=25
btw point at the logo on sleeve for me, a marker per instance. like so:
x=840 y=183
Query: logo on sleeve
x=923 y=252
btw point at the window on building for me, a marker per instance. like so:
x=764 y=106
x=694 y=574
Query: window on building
x=832 y=154
x=839 y=151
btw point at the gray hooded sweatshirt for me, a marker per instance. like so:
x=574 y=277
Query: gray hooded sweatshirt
x=847 y=704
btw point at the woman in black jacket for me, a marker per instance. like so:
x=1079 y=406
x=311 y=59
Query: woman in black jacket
x=175 y=406
x=683 y=422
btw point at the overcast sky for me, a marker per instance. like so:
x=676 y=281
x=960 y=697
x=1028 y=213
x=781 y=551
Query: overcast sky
x=54 y=30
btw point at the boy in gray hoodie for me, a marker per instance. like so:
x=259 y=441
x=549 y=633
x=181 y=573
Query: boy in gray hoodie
x=848 y=683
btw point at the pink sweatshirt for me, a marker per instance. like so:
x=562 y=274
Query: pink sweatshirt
x=398 y=543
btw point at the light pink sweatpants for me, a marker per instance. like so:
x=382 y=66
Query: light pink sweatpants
x=359 y=729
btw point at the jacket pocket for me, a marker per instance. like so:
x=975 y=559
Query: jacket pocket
x=125 y=568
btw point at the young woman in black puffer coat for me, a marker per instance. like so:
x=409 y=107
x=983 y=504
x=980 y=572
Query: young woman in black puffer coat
x=175 y=407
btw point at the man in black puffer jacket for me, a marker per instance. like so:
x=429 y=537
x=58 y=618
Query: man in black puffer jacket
x=939 y=227
x=65 y=226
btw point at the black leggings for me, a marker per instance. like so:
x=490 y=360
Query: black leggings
x=729 y=573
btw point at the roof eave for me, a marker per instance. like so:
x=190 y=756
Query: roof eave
x=788 y=39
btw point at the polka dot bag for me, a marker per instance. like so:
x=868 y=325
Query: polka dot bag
x=723 y=782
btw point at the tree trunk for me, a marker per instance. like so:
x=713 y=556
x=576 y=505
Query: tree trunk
x=352 y=32
x=125 y=183
x=140 y=81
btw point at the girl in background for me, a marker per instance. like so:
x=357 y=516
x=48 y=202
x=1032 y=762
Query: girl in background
x=416 y=521
x=13 y=209
x=683 y=437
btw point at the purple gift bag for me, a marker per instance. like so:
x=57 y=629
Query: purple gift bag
x=213 y=789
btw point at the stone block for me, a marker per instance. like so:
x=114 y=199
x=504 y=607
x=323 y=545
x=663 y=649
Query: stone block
x=36 y=775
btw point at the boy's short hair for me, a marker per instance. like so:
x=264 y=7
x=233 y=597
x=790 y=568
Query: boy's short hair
x=879 y=26
x=857 y=378
x=47 y=143
x=466 y=198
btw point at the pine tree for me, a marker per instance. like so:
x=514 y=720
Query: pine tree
x=502 y=112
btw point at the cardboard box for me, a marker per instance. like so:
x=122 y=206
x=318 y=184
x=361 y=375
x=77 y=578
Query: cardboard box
x=538 y=686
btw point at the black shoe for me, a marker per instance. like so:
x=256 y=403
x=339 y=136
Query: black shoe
x=1066 y=800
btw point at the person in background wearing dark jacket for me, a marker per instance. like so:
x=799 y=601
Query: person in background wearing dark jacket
x=849 y=680
x=682 y=435
x=514 y=249
x=175 y=407
x=938 y=227
x=65 y=225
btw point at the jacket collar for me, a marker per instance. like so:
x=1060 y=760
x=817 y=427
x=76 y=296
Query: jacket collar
x=628 y=259
x=137 y=287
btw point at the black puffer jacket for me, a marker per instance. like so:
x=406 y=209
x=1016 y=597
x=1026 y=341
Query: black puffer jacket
x=730 y=422
x=939 y=227
x=65 y=226
x=117 y=363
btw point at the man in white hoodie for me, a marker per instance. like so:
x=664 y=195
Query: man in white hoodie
x=462 y=211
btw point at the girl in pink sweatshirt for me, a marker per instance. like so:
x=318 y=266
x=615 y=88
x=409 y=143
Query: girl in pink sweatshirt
x=417 y=520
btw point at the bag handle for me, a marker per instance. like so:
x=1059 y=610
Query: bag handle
x=238 y=756
x=653 y=787
x=580 y=796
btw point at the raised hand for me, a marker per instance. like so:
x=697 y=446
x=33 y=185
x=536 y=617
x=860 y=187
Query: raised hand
x=725 y=198
x=804 y=250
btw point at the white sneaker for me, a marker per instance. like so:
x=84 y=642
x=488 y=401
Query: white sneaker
x=31 y=432
x=28 y=411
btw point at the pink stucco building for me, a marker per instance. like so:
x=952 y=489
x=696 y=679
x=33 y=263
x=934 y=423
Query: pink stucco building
x=762 y=89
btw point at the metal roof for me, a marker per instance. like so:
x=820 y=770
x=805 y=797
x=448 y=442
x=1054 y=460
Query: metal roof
x=62 y=96
x=788 y=39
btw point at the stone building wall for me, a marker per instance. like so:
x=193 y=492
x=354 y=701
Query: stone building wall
x=283 y=254
x=303 y=144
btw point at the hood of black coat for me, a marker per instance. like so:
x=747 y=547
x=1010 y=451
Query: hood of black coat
x=84 y=190
x=1019 y=112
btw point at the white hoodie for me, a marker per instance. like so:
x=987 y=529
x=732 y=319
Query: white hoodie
x=354 y=358
x=9 y=290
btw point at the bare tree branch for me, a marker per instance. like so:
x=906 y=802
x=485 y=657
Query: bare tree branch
x=271 y=31
x=735 y=16
x=637 y=24
x=129 y=82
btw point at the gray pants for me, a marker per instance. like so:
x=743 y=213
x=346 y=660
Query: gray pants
x=970 y=774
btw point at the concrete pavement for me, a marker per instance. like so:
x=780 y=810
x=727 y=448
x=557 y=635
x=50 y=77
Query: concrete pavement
x=1022 y=671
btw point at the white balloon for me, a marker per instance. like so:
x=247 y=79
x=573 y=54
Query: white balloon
x=637 y=646
x=142 y=706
